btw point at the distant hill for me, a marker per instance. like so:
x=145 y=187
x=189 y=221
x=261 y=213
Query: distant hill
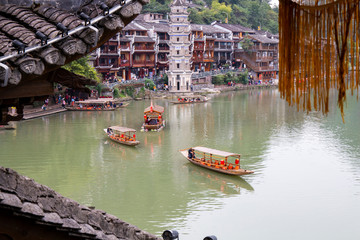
x=256 y=14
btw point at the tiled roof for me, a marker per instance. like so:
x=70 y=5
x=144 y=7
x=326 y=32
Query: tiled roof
x=133 y=26
x=158 y=27
x=207 y=28
x=43 y=206
x=143 y=39
x=236 y=28
x=264 y=39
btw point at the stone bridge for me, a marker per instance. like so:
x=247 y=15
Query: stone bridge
x=36 y=40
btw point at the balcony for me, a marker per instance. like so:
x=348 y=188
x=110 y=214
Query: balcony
x=143 y=63
x=125 y=48
x=197 y=59
x=223 y=48
x=210 y=47
x=144 y=48
x=109 y=53
x=125 y=63
x=268 y=48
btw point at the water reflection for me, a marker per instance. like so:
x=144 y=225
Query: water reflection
x=217 y=181
x=304 y=165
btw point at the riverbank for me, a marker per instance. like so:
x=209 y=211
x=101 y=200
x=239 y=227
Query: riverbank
x=35 y=112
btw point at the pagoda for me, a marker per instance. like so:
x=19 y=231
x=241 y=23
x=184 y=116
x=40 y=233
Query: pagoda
x=179 y=73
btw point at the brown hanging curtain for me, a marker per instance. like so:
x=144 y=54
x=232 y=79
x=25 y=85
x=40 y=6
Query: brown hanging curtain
x=318 y=50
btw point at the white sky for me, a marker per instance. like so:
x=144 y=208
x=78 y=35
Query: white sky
x=274 y=2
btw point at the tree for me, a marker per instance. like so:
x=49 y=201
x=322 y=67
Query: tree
x=247 y=44
x=81 y=67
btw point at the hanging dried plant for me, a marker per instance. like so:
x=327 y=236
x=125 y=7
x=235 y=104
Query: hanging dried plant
x=318 y=50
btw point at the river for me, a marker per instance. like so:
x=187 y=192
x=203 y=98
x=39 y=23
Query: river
x=306 y=183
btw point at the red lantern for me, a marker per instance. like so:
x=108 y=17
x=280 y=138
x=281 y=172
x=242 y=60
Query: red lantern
x=134 y=136
x=237 y=161
x=122 y=135
x=159 y=117
x=144 y=116
x=222 y=162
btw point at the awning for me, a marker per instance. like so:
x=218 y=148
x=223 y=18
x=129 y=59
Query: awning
x=216 y=152
x=122 y=129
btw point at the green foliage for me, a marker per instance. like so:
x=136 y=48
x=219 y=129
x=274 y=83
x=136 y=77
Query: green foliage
x=141 y=93
x=149 y=84
x=81 y=67
x=157 y=6
x=218 y=79
x=249 y=13
x=130 y=91
x=218 y=11
x=247 y=44
x=243 y=78
x=100 y=87
x=116 y=93
x=230 y=77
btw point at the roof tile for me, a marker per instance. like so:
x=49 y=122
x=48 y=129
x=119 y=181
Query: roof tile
x=52 y=218
x=10 y=200
x=33 y=209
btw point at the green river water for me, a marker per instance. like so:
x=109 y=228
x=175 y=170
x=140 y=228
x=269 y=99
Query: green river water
x=306 y=183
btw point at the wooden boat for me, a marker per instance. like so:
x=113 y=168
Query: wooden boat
x=190 y=99
x=121 y=104
x=216 y=160
x=153 y=118
x=93 y=105
x=123 y=135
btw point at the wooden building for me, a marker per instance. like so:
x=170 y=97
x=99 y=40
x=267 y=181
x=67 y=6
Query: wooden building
x=262 y=58
x=236 y=33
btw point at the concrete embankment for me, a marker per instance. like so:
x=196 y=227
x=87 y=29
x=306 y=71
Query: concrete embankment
x=30 y=113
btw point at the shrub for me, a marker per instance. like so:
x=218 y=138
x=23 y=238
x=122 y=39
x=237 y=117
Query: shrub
x=149 y=84
x=218 y=79
x=116 y=93
x=130 y=91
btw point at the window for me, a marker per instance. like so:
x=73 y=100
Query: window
x=177 y=28
x=177 y=77
x=178 y=52
x=147 y=57
x=178 y=39
x=102 y=60
x=178 y=19
x=137 y=57
x=178 y=65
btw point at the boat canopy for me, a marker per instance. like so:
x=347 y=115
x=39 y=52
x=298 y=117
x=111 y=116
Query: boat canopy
x=95 y=101
x=122 y=129
x=155 y=108
x=192 y=96
x=216 y=152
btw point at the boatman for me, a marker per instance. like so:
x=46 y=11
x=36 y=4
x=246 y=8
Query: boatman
x=190 y=153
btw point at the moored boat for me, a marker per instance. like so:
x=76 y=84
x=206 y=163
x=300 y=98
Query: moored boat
x=153 y=118
x=123 y=135
x=216 y=160
x=190 y=99
x=97 y=105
